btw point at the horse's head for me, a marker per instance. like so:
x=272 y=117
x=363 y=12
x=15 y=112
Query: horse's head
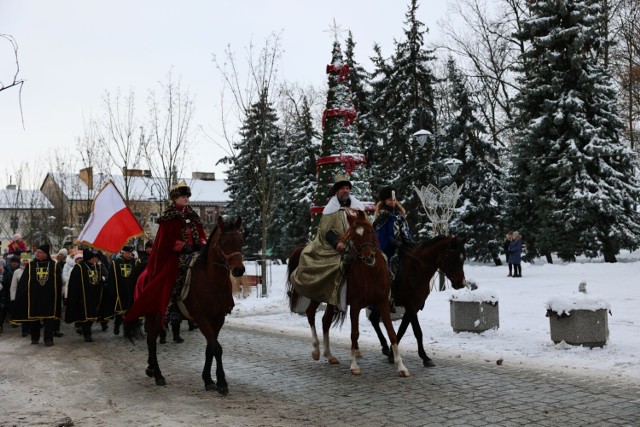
x=230 y=243
x=451 y=264
x=361 y=238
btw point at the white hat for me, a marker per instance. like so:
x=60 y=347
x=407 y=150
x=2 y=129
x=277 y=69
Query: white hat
x=17 y=236
x=63 y=251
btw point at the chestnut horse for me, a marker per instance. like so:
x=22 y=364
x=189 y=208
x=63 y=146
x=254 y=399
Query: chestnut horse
x=208 y=301
x=367 y=283
x=419 y=264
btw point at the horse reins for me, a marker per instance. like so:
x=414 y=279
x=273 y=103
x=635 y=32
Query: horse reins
x=225 y=256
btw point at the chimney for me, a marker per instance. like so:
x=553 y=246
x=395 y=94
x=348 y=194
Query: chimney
x=204 y=176
x=132 y=172
x=86 y=175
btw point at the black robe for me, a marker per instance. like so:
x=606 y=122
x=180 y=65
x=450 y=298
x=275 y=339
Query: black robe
x=84 y=293
x=35 y=300
x=120 y=288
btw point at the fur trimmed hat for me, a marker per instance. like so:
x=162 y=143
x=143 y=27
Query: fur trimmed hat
x=387 y=193
x=180 y=189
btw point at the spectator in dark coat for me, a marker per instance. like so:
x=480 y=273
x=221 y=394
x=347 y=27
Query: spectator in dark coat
x=515 y=254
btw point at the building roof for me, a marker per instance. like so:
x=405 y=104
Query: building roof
x=141 y=188
x=23 y=199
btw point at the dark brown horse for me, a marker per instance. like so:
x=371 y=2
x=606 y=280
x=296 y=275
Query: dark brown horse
x=446 y=254
x=208 y=301
x=367 y=283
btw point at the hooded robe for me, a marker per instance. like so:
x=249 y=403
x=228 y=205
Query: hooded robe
x=39 y=292
x=84 y=293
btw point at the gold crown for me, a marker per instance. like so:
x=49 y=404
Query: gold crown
x=339 y=177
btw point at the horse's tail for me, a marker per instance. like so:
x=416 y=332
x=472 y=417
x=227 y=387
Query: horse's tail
x=132 y=330
x=338 y=318
x=294 y=260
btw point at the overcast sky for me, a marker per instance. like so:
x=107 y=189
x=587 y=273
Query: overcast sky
x=71 y=52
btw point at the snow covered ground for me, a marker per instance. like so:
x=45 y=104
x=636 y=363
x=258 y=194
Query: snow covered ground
x=523 y=337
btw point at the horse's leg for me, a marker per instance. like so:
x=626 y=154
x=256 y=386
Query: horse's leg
x=214 y=349
x=355 y=334
x=311 y=318
x=327 y=319
x=385 y=315
x=374 y=318
x=417 y=332
x=404 y=324
x=151 y=325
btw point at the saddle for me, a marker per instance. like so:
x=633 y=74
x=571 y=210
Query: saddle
x=186 y=287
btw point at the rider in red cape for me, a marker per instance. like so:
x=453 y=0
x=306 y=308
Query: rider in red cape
x=180 y=233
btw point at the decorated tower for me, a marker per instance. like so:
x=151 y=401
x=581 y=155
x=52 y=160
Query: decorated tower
x=341 y=152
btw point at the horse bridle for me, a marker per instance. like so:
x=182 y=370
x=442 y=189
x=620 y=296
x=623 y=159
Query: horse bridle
x=225 y=256
x=357 y=251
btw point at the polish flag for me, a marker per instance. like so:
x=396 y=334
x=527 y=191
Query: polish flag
x=111 y=223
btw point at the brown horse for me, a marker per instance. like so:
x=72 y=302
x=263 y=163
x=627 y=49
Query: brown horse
x=367 y=283
x=419 y=264
x=208 y=301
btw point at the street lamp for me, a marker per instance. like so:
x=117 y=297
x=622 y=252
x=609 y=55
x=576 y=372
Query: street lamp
x=422 y=136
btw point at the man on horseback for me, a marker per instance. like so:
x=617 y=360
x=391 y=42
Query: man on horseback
x=320 y=274
x=180 y=234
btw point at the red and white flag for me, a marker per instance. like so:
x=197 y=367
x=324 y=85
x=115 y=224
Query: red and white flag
x=111 y=223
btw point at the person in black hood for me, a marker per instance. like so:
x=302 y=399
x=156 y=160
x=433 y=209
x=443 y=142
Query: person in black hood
x=39 y=296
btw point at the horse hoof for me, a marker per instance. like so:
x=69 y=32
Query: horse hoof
x=161 y=381
x=404 y=374
x=315 y=356
x=223 y=390
x=149 y=372
x=428 y=363
x=385 y=351
x=210 y=387
x=356 y=371
x=334 y=360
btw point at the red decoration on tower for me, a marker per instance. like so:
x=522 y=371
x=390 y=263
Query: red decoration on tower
x=341 y=151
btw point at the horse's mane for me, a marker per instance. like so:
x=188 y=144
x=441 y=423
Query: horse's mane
x=202 y=258
x=432 y=241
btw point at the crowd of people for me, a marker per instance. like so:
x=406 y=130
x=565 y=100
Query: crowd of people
x=39 y=289
x=83 y=287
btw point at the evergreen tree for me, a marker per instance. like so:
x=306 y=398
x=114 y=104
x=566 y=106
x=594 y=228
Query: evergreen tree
x=361 y=97
x=404 y=104
x=341 y=152
x=252 y=176
x=297 y=164
x=374 y=118
x=467 y=140
x=572 y=188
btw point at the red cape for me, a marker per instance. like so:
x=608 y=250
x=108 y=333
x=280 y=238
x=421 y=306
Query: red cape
x=162 y=270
